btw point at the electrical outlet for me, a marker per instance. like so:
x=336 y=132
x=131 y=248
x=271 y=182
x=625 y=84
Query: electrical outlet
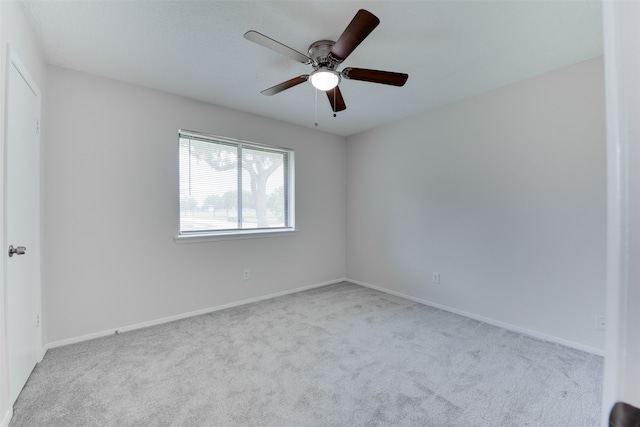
x=38 y=320
x=246 y=275
x=601 y=323
x=435 y=278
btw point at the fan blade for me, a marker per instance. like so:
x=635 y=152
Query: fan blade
x=358 y=29
x=276 y=46
x=375 y=76
x=336 y=100
x=285 y=85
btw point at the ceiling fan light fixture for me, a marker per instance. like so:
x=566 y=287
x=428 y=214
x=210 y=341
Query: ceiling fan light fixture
x=324 y=79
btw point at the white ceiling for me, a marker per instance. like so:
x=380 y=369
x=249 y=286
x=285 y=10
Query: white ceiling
x=450 y=49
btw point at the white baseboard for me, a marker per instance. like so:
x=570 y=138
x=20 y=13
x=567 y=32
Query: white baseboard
x=7 y=418
x=488 y=320
x=168 y=319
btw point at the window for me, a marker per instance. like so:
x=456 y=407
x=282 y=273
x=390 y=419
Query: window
x=233 y=188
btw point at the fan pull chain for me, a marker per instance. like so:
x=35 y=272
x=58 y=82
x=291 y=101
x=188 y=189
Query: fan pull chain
x=316 y=90
x=335 y=89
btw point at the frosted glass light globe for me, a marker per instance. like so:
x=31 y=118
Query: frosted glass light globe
x=325 y=80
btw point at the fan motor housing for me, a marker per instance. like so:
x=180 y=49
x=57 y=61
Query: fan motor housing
x=320 y=53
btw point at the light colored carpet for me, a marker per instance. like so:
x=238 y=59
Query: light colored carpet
x=340 y=355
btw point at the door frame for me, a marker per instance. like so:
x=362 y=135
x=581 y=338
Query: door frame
x=13 y=60
x=622 y=87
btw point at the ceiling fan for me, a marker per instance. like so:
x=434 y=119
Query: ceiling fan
x=326 y=55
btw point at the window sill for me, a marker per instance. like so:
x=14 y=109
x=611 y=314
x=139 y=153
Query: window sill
x=232 y=235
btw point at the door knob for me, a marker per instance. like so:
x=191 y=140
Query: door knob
x=20 y=250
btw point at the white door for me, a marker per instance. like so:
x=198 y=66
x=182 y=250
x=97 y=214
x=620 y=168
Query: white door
x=22 y=198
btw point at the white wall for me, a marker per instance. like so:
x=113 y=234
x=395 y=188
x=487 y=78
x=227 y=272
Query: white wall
x=503 y=194
x=14 y=31
x=111 y=209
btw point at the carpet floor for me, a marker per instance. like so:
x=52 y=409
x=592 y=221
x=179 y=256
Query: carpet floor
x=339 y=355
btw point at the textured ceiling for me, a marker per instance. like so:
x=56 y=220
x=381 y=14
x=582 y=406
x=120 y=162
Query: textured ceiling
x=450 y=49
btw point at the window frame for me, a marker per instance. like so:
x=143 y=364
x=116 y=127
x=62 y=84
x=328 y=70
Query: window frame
x=239 y=233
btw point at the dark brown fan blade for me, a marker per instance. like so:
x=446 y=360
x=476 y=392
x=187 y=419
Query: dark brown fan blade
x=276 y=46
x=336 y=100
x=375 y=76
x=358 y=29
x=285 y=85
